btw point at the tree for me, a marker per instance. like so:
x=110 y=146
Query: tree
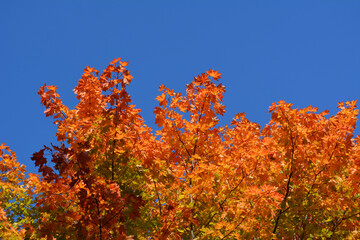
x=111 y=177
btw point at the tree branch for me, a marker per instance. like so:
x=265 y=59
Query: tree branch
x=158 y=195
x=98 y=212
x=283 y=202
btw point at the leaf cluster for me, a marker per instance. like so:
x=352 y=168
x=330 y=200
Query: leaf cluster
x=112 y=177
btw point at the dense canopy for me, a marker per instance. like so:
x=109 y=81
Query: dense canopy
x=112 y=177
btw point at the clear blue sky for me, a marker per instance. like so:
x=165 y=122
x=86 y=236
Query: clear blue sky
x=303 y=52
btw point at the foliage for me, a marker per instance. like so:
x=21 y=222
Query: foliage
x=111 y=177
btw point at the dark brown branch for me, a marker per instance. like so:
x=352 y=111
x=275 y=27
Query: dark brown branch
x=308 y=193
x=120 y=210
x=317 y=174
x=187 y=151
x=114 y=141
x=352 y=215
x=184 y=162
x=237 y=225
x=283 y=202
x=207 y=224
x=112 y=159
x=197 y=130
x=221 y=205
x=158 y=195
x=231 y=191
x=337 y=224
x=98 y=212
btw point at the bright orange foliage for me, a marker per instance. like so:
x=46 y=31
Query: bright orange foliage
x=112 y=177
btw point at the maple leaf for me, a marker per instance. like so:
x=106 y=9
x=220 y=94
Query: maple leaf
x=115 y=61
x=124 y=64
x=39 y=158
x=215 y=74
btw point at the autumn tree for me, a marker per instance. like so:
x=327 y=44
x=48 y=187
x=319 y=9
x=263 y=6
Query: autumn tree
x=112 y=177
x=16 y=197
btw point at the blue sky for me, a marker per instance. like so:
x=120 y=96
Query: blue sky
x=303 y=52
